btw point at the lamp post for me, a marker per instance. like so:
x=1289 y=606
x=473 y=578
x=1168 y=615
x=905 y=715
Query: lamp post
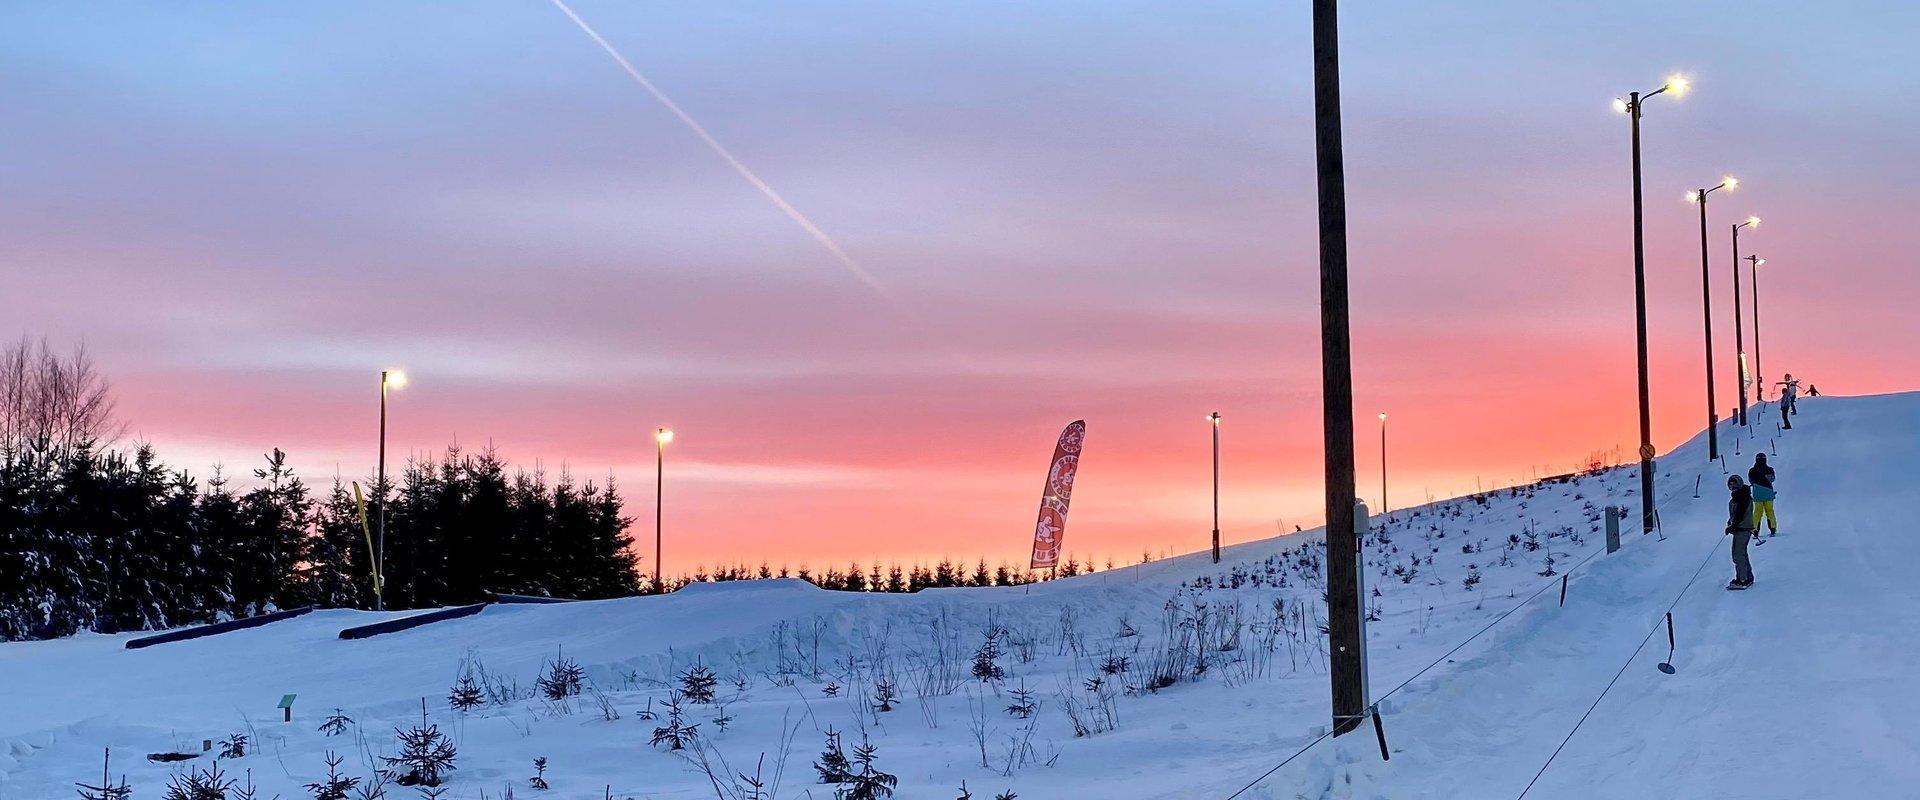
x=389 y=379
x=1383 y=462
x=1632 y=108
x=1740 y=325
x=660 y=437
x=1699 y=197
x=1215 y=419
x=1753 y=274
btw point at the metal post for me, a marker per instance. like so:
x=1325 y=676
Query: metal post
x=1336 y=378
x=659 y=495
x=1739 y=326
x=1640 y=327
x=1215 y=417
x=1383 y=464
x=1706 y=305
x=1753 y=268
x=380 y=499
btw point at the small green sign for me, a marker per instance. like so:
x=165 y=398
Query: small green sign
x=286 y=701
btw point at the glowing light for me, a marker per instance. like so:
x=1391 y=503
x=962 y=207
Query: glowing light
x=1693 y=197
x=1619 y=105
x=1758 y=261
x=1730 y=182
x=1383 y=416
x=1214 y=418
x=1753 y=221
x=1679 y=85
x=395 y=379
x=663 y=436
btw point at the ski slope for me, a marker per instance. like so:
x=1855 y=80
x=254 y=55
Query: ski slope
x=1796 y=688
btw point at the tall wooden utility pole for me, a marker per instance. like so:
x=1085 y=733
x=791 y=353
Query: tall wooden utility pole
x=1336 y=379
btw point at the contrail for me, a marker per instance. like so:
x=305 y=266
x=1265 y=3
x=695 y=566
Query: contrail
x=693 y=125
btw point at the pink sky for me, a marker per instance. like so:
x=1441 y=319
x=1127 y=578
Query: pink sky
x=1099 y=211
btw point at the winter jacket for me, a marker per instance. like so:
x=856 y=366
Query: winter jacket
x=1761 y=477
x=1740 y=510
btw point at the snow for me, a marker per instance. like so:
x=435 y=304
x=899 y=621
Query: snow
x=1796 y=688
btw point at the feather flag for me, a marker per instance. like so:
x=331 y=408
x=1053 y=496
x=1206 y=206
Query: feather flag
x=1052 y=527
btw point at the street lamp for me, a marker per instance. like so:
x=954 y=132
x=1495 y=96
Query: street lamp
x=660 y=437
x=1383 y=462
x=389 y=379
x=1632 y=107
x=1739 y=325
x=1699 y=197
x=1215 y=419
x=1753 y=273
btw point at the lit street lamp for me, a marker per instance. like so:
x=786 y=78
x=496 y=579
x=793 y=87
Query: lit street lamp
x=1753 y=272
x=661 y=438
x=1699 y=197
x=1215 y=419
x=1739 y=325
x=389 y=379
x=1383 y=462
x=1632 y=108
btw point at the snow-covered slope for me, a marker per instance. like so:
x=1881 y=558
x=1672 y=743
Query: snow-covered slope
x=1184 y=678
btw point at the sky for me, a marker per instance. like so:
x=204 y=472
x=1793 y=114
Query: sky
x=1067 y=210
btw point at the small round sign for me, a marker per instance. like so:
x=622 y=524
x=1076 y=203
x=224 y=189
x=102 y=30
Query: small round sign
x=1646 y=451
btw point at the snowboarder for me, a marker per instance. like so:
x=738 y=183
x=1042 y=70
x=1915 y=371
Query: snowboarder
x=1740 y=524
x=1761 y=478
x=1812 y=390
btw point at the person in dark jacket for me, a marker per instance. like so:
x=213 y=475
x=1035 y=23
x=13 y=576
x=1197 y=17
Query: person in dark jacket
x=1761 y=477
x=1740 y=524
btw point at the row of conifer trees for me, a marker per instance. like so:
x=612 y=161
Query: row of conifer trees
x=93 y=539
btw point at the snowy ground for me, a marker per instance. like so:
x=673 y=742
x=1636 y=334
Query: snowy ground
x=1189 y=679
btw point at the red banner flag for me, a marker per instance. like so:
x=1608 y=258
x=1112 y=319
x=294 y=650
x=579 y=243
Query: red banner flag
x=1052 y=527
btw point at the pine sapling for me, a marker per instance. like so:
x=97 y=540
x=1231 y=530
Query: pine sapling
x=335 y=786
x=676 y=734
x=832 y=763
x=425 y=752
x=198 y=784
x=867 y=782
x=697 y=684
x=466 y=694
x=539 y=779
x=234 y=746
x=984 y=667
x=884 y=694
x=335 y=723
x=107 y=789
x=1023 y=704
x=562 y=679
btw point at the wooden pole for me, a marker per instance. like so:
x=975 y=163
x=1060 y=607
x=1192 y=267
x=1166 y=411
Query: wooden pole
x=1336 y=376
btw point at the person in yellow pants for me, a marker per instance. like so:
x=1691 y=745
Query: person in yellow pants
x=1761 y=477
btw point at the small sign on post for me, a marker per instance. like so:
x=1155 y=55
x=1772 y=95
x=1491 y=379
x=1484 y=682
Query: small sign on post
x=286 y=707
x=1614 y=514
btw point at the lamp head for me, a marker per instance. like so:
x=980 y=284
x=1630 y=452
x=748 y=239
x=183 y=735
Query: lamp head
x=1214 y=418
x=1620 y=105
x=1753 y=222
x=393 y=379
x=1730 y=183
x=1678 y=85
x=1693 y=196
x=663 y=436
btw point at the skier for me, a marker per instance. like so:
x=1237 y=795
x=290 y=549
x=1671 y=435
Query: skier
x=1761 y=476
x=1740 y=524
x=1789 y=392
x=1812 y=390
